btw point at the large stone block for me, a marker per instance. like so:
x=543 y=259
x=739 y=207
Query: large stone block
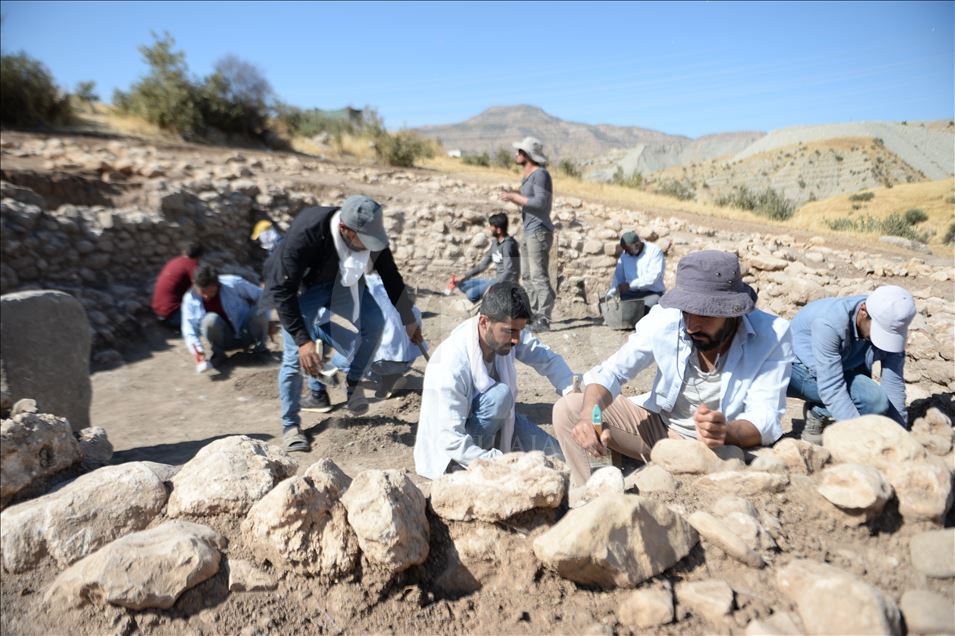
x=46 y=353
x=34 y=446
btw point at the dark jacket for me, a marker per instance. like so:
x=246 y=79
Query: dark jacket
x=308 y=257
x=506 y=257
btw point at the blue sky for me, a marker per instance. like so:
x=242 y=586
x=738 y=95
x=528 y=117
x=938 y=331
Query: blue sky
x=683 y=68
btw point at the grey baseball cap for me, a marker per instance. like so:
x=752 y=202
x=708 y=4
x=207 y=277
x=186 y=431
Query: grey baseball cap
x=362 y=214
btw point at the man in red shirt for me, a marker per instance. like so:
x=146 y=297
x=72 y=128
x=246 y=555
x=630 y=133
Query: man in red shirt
x=174 y=280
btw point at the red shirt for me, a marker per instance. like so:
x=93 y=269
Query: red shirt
x=174 y=280
x=214 y=306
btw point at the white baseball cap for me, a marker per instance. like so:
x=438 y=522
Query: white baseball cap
x=891 y=309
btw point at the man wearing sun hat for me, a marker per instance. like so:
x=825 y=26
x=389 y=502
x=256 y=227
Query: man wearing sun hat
x=722 y=371
x=535 y=198
x=836 y=342
x=321 y=263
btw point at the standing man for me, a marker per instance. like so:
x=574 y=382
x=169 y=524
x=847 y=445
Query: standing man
x=175 y=279
x=321 y=263
x=470 y=387
x=639 y=273
x=224 y=309
x=836 y=342
x=722 y=371
x=535 y=198
x=505 y=255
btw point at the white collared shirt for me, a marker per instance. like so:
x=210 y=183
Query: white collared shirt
x=754 y=377
x=643 y=272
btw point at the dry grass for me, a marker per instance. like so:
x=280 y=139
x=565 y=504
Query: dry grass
x=104 y=118
x=929 y=196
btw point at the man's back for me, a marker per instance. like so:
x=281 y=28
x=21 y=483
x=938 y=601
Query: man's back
x=174 y=280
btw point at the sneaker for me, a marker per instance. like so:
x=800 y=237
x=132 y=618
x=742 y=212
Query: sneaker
x=357 y=403
x=316 y=403
x=814 y=424
x=386 y=385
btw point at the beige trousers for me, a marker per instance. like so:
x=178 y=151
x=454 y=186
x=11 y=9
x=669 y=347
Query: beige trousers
x=633 y=432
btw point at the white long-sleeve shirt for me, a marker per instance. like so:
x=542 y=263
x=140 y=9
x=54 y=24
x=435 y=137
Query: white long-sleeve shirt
x=449 y=390
x=753 y=380
x=643 y=272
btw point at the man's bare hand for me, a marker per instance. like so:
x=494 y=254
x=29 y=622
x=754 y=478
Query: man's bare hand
x=710 y=426
x=509 y=196
x=585 y=435
x=414 y=332
x=309 y=358
x=273 y=330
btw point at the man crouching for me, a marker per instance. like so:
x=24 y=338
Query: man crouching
x=470 y=387
x=722 y=371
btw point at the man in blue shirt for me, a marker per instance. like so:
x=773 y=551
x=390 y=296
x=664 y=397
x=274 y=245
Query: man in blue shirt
x=639 y=272
x=836 y=341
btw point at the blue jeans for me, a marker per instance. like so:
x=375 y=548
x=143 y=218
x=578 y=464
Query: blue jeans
x=865 y=392
x=222 y=337
x=490 y=409
x=474 y=288
x=370 y=324
x=342 y=359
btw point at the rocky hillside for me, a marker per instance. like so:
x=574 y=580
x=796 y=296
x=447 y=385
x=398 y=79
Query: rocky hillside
x=499 y=126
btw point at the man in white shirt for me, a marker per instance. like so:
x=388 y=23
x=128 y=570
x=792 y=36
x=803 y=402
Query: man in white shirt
x=723 y=367
x=470 y=387
x=639 y=273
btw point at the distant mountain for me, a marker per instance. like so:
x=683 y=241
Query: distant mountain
x=499 y=126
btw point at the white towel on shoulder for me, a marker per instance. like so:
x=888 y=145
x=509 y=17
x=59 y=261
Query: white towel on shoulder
x=352 y=265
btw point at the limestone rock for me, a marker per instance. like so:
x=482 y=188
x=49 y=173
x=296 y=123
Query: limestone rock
x=303 y=528
x=685 y=456
x=711 y=599
x=779 y=624
x=32 y=448
x=604 y=481
x=750 y=530
x=387 y=512
x=924 y=490
x=933 y=553
x=730 y=504
x=859 y=491
x=82 y=516
x=46 y=352
x=615 y=541
x=832 y=601
x=770 y=464
x=872 y=440
x=245 y=577
x=720 y=534
x=328 y=478
x=165 y=472
x=228 y=476
x=495 y=489
x=652 y=478
x=746 y=482
x=95 y=448
x=147 y=569
x=647 y=608
x=927 y=612
x=801 y=457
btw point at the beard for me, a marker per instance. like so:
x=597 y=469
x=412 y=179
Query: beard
x=498 y=348
x=706 y=342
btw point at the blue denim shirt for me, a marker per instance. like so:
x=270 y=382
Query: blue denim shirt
x=239 y=300
x=826 y=341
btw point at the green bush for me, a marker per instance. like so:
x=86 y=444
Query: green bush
x=677 y=189
x=862 y=196
x=950 y=234
x=504 y=158
x=950 y=200
x=86 y=92
x=892 y=225
x=28 y=96
x=768 y=203
x=235 y=98
x=402 y=149
x=635 y=180
x=914 y=216
x=569 y=168
x=477 y=160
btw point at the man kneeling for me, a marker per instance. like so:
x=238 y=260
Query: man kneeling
x=470 y=387
x=722 y=371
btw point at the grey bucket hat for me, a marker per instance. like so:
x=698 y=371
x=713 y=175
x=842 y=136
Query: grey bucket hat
x=533 y=148
x=709 y=283
x=363 y=215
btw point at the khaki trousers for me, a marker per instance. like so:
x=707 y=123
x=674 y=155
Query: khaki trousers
x=633 y=432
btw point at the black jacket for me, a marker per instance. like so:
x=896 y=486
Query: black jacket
x=307 y=257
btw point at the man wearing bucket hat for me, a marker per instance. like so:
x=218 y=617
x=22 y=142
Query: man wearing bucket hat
x=535 y=198
x=321 y=263
x=639 y=273
x=722 y=371
x=836 y=341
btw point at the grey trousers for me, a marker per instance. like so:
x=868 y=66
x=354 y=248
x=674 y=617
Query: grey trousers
x=535 y=261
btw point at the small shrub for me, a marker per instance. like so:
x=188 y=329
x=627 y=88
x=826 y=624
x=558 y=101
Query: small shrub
x=477 y=160
x=402 y=149
x=892 y=225
x=635 y=180
x=768 y=203
x=86 y=93
x=950 y=234
x=677 y=189
x=914 y=216
x=568 y=168
x=28 y=96
x=504 y=158
x=950 y=200
x=856 y=206
x=862 y=196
